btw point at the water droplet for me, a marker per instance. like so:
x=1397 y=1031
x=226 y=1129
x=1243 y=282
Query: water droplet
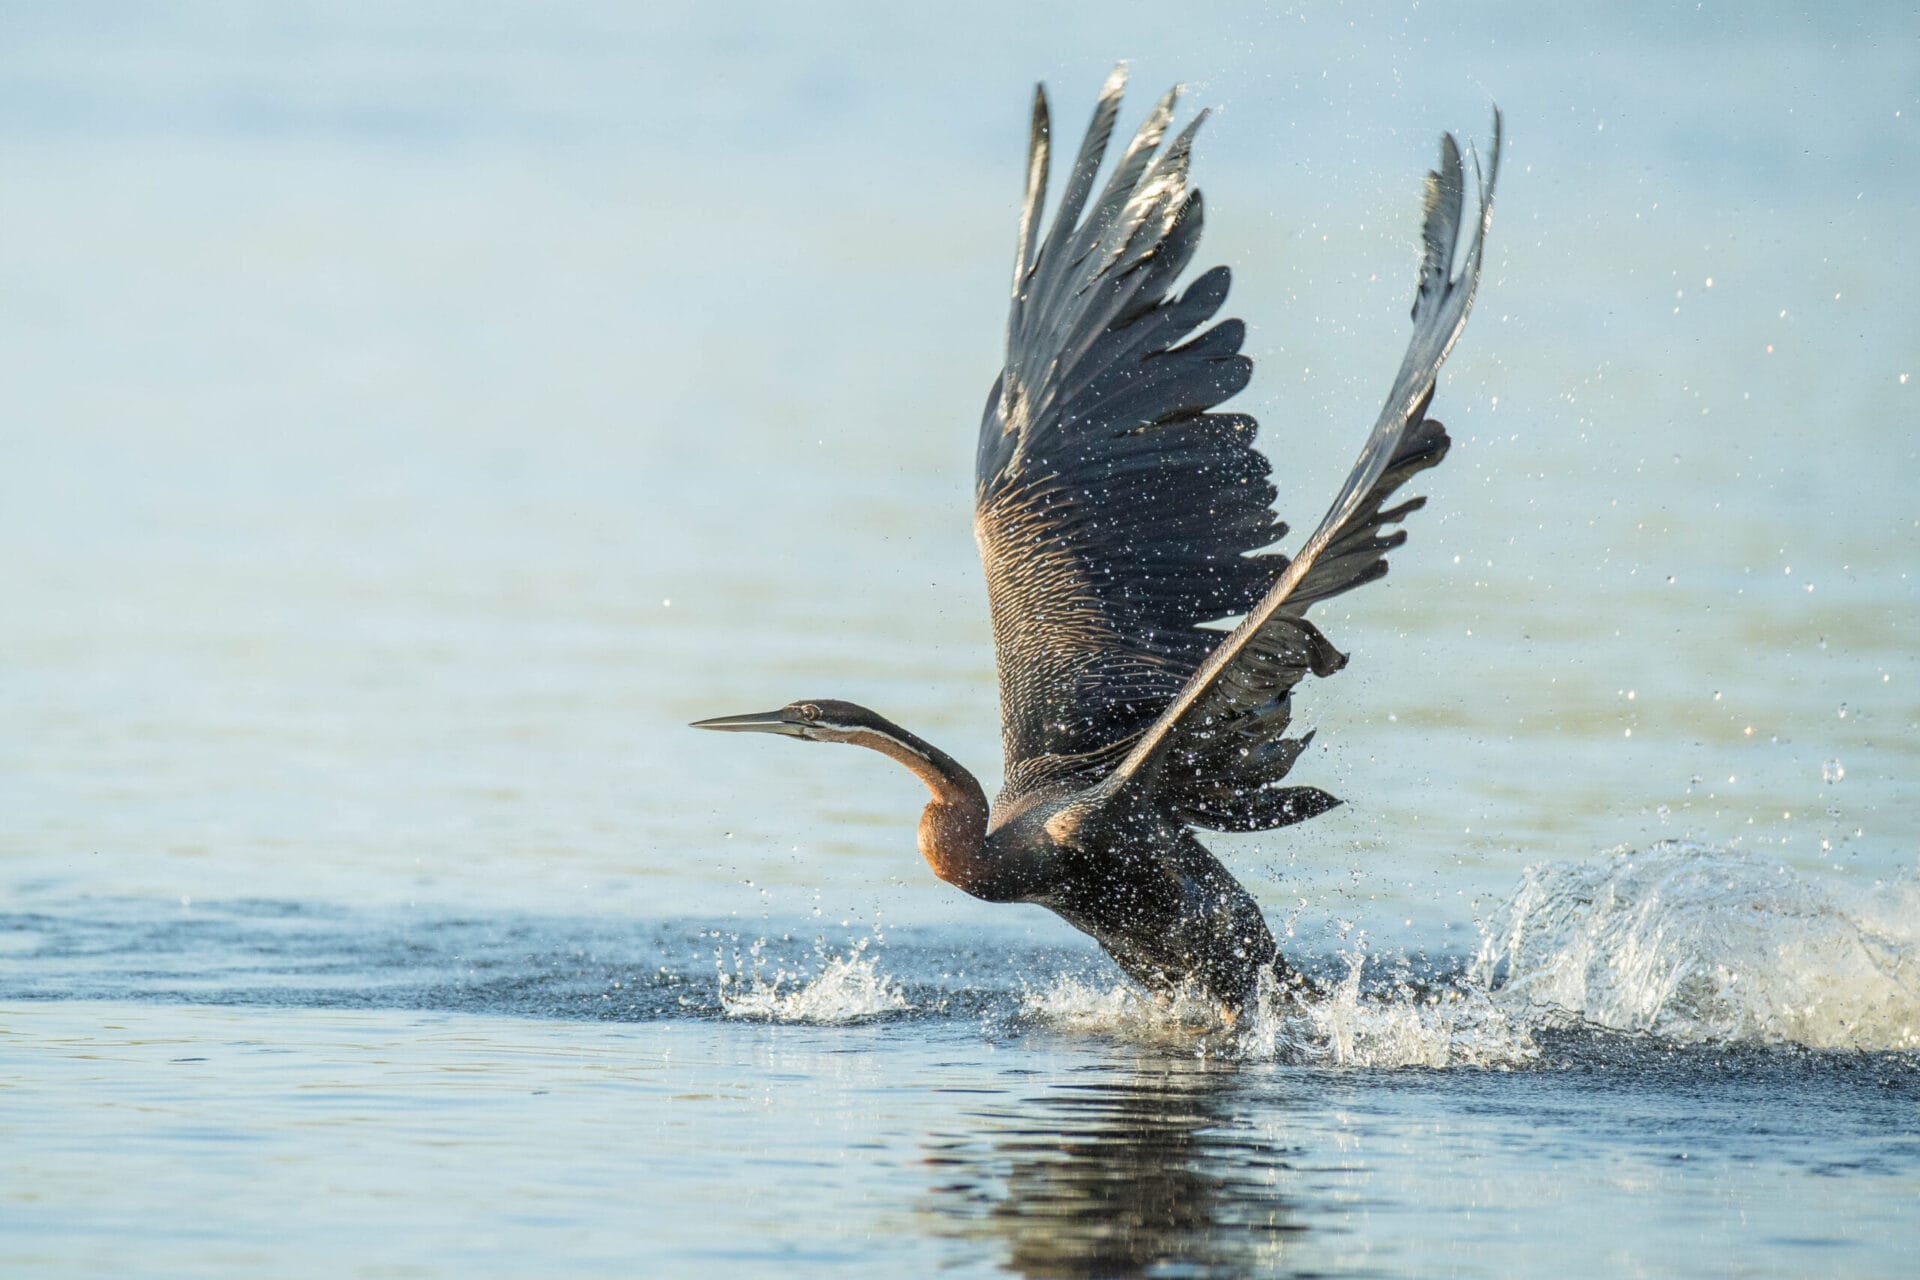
x=1831 y=771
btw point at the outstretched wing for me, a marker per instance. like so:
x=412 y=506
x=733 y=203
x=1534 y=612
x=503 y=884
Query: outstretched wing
x=1216 y=748
x=1114 y=512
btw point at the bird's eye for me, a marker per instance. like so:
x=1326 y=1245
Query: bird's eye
x=808 y=710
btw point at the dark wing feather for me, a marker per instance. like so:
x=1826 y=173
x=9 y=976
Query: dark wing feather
x=1223 y=768
x=1113 y=510
x=1216 y=750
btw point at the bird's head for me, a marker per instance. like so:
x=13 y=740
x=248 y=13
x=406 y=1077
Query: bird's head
x=816 y=720
x=953 y=826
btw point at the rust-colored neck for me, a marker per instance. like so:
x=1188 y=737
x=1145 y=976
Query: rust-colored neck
x=953 y=826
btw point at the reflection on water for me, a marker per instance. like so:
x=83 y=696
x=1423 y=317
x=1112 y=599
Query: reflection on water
x=1154 y=1171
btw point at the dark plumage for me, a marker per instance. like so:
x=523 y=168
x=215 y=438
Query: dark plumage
x=1117 y=511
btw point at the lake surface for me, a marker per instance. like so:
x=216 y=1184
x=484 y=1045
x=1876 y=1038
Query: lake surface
x=409 y=419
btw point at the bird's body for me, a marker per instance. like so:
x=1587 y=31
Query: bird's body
x=1116 y=513
x=1161 y=904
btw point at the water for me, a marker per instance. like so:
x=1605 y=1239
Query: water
x=421 y=1092
x=409 y=419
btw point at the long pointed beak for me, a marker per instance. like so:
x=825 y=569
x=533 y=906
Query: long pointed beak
x=759 y=722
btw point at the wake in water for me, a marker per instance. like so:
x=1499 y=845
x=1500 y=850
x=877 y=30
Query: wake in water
x=1681 y=942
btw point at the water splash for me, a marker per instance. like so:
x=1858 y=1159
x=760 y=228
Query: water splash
x=1186 y=1019
x=1704 y=945
x=1686 y=942
x=847 y=988
x=1395 y=1023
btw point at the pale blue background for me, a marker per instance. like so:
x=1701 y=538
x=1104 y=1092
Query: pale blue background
x=371 y=377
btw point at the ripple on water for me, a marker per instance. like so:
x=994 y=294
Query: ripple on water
x=1677 y=944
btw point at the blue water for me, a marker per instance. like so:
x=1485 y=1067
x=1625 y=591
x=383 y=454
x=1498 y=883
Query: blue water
x=267 y=1086
x=411 y=417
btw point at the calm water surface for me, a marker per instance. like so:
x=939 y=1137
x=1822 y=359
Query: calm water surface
x=410 y=418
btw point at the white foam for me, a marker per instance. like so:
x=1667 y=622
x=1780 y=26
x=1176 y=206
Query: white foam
x=1682 y=941
x=1348 y=1027
x=1704 y=945
x=847 y=988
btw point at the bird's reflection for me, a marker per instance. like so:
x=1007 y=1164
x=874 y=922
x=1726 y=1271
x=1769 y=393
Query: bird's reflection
x=1118 y=1172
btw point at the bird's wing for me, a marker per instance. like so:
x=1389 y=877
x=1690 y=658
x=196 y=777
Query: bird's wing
x=1239 y=694
x=1113 y=511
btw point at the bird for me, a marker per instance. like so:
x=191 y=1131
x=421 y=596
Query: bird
x=1118 y=510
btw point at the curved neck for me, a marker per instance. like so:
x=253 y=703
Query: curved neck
x=945 y=777
x=953 y=827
